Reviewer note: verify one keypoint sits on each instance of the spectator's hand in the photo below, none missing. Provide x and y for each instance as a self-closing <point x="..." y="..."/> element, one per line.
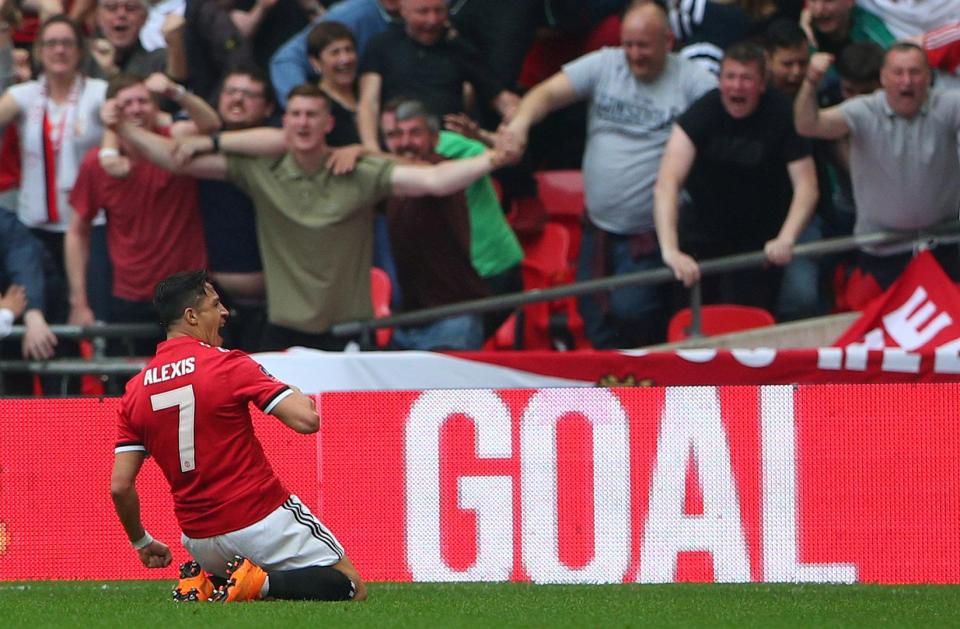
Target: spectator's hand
<point x="779" y="251"/>
<point x="38" y="342"/>
<point x="105" y="55"/>
<point x="160" y="84"/>
<point x="172" y="29"/>
<point x="22" y="71"/>
<point x="684" y="267"/>
<point x="156" y="554"/>
<point x="343" y="160"/>
<point x="14" y="300"/>
<point x="48" y="8"/>
<point x="463" y="124"/>
<point x="81" y="315"/>
<point x="110" y="113"/>
<point x="267" y="4"/>
<point x="186" y="148"/>
<point x="820" y="62"/>
<point x="507" y="148"/>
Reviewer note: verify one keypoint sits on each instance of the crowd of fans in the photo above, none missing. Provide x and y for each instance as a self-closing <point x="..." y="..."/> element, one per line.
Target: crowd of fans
<point x="287" y="145"/>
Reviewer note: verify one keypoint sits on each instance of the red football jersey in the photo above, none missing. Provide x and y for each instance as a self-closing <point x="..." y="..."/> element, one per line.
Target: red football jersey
<point x="189" y="410"/>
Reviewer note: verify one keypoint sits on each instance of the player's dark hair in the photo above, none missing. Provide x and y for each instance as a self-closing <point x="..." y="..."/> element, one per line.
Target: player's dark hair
<point x="746" y="52"/>
<point x="325" y="33"/>
<point x="784" y="33"/>
<point x="178" y="292"/>
<point x="860" y="62"/>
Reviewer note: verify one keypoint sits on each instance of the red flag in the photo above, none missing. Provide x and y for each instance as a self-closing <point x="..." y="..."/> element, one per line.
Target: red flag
<point x="919" y="312"/>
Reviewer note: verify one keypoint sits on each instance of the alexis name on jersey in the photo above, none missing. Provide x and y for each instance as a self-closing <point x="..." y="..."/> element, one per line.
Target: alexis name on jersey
<point x="169" y="371"/>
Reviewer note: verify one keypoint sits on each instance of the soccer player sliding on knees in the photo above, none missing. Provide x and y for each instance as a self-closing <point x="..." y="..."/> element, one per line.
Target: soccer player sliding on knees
<point x="249" y="537"/>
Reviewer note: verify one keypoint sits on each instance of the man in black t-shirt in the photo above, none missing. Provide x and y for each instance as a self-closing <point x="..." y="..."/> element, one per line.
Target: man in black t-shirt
<point x="424" y="60"/>
<point x="751" y="181"/>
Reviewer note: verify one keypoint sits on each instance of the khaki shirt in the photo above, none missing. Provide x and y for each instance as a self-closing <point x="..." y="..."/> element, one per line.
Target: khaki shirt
<point x="316" y="237"/>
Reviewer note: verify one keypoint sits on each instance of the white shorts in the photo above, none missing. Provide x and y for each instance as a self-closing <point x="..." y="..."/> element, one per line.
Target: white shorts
<point x="289" y="538"/>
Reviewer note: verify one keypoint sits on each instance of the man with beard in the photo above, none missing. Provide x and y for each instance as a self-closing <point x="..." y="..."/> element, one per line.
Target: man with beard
<point x="430" y="233"/>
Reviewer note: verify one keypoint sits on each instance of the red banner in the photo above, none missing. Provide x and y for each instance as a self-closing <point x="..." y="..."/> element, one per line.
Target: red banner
<point x="854" y="483"/>
<point x="919" y="313"/>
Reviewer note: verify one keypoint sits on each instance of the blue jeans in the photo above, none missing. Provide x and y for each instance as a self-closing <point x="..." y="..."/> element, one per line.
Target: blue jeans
<point x="800" y="288"/>
<point x="626" y="317"/>
<point x="461" y="333"/>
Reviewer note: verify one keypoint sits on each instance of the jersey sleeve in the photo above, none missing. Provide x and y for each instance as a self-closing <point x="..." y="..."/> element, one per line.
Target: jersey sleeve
<point x="128" y="439"/>
<point x="253" y="383"/>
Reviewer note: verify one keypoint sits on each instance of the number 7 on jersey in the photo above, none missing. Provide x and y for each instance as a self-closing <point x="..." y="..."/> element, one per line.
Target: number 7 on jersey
<point x="184" y="400"/>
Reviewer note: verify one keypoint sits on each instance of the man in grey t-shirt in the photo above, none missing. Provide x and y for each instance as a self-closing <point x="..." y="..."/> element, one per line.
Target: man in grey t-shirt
<point x="635" y="92"/>
<point x="904" y="164"/>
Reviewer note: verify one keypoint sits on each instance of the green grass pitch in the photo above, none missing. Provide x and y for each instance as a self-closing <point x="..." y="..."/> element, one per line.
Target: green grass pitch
<point x="147" y="604"/>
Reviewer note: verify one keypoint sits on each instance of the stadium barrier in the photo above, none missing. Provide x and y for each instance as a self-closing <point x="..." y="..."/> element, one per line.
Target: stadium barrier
<point x="809" y="483"/>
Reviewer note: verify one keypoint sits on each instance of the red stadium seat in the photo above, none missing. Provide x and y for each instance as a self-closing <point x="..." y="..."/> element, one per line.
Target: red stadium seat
<point x="562" y="193"/>
<point x="718" y="319"/>
<point x="380" y="290"/>
<point x="545" y="264"/>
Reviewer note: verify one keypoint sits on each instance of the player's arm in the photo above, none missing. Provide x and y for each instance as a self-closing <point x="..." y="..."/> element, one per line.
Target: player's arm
<point x="678" y="157"/>
<point x="126" y="502"/>
<point x="803" y="176"/>
<point x="809" y="119"/>
<point x="297" y="411"/>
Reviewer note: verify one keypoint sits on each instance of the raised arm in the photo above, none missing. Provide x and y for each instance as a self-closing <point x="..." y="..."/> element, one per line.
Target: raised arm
<point x="203" y="117"/>
<point x="289" y="66"/>
<point x="173" y="28"/>
<point x="548" y="96"/>
<point x="803" y="176"/>
<point x="809" y="119"/>
<point x="678" y="157"/>
<point x="368" y="110"/>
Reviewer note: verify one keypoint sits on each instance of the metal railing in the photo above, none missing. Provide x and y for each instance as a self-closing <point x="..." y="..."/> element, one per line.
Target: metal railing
<point x="98" y="364"/>
<point x="948" y="232"/>
<point x="105" y="366"/>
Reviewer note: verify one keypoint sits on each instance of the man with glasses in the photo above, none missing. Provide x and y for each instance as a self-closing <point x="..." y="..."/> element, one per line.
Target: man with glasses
<point x="229" y="224"/>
